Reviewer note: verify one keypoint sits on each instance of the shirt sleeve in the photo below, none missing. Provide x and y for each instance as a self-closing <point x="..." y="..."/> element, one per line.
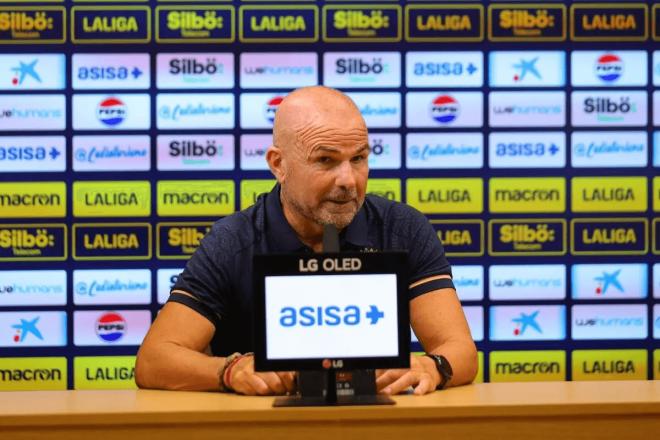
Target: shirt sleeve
<point x="426" y="257"/>
<point x="206" y="276"/>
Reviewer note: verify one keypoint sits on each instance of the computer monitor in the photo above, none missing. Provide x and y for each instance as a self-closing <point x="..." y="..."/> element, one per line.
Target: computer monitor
<point x="331" y="311"/>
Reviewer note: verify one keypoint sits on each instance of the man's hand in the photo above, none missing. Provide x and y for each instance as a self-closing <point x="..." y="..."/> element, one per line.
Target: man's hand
<point x="244" y="380"/>
<point x="422" y="375"/>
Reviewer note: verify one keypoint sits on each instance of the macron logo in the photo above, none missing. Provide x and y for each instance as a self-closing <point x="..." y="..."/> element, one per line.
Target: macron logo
<point x="308" y="316"/>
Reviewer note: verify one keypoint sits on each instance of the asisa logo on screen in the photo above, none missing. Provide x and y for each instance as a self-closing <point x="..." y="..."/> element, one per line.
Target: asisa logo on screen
<point x="444" y="69"/>
<point x="330" y="315"/>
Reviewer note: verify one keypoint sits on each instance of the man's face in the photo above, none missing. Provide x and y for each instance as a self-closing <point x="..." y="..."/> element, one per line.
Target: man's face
<point x="326" y="171"/>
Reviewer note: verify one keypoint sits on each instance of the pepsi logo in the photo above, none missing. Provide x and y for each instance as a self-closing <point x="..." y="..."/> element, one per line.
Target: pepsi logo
<point x="110" y="327"/>
<point x="271" y="107"/>
<point x="445" y="109"/>
<point x="111" y="112"/>
<point x="609" y="67"/>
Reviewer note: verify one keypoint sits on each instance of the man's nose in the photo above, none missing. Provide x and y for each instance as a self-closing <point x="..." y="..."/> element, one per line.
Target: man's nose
<point x="345" y="175"/>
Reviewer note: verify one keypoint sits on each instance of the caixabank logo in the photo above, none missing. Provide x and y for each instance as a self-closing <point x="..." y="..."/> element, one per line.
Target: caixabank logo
<point x="33" y="329"/>
<point x="609" y="281"/>
<point x="32" y="72"/>
<point x="527" y="323"/>
<point x="527" y="69"/>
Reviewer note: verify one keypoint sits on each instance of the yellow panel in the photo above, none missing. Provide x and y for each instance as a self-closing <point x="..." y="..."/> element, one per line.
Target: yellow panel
<point x="33" y="373"/>
<point x="609" y="365"/>
<point x="250" y="190"/>
<point x="388" y="188"/>
<point x="656" y="193"/>
<point x="104" y="372"/>
<point x="446" y="195"/>
<point x="128" y="198"/>
<point x="527" y="366"/>
<point x="31" y="199"/>
<point x="609" y="194"/>
<point x="196" y="197"/>
<point x="527" y="194"/>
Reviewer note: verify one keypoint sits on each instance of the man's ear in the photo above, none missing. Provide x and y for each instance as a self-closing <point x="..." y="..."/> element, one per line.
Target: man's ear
<point x="275" y="162"/>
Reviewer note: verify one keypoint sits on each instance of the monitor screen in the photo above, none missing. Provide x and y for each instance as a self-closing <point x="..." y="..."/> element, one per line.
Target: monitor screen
<point x="318" y="311"/>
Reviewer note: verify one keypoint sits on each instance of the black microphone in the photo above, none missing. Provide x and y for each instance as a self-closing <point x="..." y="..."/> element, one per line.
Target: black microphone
<point x="330" y="238"/>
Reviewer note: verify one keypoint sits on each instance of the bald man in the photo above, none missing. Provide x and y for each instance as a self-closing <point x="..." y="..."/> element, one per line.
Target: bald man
<point x="202" y="338"/>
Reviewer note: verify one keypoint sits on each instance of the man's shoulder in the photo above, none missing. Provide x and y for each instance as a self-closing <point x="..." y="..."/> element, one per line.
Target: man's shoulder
<point x="241" y="229"/>
<point x="396" y="216"/>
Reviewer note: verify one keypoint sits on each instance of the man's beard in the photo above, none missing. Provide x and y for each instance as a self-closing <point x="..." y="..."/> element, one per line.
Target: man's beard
<point x="323" y="216"/>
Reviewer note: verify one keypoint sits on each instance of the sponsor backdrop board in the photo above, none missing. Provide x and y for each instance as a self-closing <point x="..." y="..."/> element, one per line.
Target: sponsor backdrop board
<point x="528" y="133"/>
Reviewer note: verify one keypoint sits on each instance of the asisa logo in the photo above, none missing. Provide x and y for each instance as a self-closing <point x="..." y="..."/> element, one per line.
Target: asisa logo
<point x="330" y="315"/>
<point x="445" y="109"/>
<point x="111" y="111"/>
<point x="609" y="67"/>
<point x="271" y="108"/>
<point x="110" y="327"/>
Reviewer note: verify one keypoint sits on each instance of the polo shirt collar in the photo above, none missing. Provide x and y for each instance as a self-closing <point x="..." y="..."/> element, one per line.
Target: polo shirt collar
<point x="282" y="237"/>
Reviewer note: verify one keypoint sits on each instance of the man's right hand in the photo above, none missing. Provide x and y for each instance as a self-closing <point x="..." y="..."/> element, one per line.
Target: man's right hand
<point x="244" y="380"/>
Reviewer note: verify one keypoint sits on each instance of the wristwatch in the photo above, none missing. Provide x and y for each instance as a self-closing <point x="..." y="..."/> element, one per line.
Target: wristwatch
<point x="442" y="364"/>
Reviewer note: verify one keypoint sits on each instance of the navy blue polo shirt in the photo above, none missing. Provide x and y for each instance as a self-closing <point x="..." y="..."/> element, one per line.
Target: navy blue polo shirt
<point x="219" y="274"/>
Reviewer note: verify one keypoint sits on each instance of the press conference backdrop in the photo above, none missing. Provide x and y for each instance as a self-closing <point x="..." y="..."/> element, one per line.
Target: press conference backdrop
<point x="528" y="133"/>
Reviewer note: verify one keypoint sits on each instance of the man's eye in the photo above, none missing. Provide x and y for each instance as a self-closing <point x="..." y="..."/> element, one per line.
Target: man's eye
<point x="323" y="160"/>
<point x="358" y="158"/>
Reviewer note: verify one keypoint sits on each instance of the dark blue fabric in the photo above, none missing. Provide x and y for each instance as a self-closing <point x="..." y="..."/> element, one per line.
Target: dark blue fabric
<point x="219" y="274"/>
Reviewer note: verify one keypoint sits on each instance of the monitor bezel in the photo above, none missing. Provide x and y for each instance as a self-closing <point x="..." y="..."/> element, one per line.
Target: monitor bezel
<point x="288" y="264"/>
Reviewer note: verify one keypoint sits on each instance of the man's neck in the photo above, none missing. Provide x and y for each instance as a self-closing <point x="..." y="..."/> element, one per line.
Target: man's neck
<point x="309" y="232"/>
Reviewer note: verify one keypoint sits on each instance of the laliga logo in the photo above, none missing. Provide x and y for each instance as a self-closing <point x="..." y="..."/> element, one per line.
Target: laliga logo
<point x="445" y="109"/>
<point x="110" y="327"/>
<point x="271" y="108"/>
<point x="111" y="111"/>
<point x="609" y="67"/>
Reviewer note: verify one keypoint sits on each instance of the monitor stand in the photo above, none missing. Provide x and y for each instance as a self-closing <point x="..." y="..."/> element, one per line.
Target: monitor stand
<point x="319" y="388"/>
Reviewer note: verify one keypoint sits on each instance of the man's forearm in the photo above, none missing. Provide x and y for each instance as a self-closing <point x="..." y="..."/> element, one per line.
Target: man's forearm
<point x="171" y="367"/>
<point x="462" y="356"/>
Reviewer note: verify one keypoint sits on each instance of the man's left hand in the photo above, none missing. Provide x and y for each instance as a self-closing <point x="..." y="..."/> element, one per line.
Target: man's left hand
<point x="422" y="375"/>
